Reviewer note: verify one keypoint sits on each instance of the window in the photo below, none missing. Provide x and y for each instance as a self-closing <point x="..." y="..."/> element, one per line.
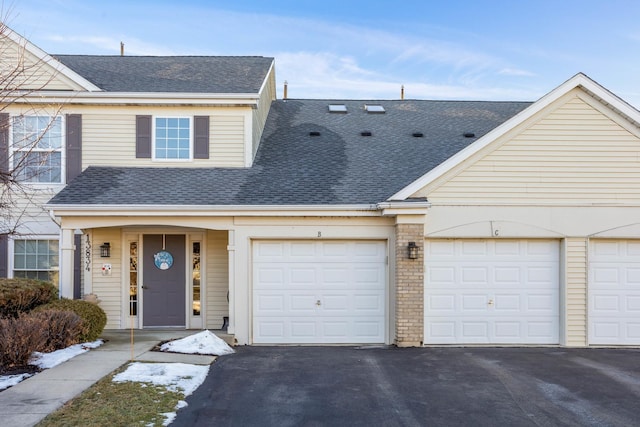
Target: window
<point x="133" y="278"/>
<point x="36" y="259"/>
<point x="195" y="262"/>
<point x="172" y="139"/>
<point x="37" y="148"/>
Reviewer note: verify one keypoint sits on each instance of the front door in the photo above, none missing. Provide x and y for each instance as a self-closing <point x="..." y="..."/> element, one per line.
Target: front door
<point x="163" y="279"/>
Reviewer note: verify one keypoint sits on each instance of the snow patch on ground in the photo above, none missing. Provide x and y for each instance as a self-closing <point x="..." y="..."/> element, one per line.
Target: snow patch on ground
<point x="49" y="360"/>
<point x="7" y="381"/>
<point x="178" y="377"/>
<point x="205" y="342"/>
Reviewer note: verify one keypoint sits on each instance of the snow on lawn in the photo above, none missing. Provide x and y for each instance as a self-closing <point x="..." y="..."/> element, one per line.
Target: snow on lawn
<point x="48" y="360"/>
<point x="178" y="377"/>
<point x="205" y="342"/>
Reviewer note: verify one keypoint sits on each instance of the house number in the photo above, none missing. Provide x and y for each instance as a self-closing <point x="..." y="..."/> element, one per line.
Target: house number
<point x="496" y="233"/>
<point x="319" y="233"/>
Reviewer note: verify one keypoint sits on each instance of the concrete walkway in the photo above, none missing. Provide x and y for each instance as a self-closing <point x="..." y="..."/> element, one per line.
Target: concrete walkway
<point x="27" y="403"/>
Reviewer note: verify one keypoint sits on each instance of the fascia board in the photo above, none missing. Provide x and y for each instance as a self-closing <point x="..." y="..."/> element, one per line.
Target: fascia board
<point x="265" y="81"/>
<point x="579" y="80"/>
<point x="140" y="98"/>
<point x="51" y="61"/>
<point x="213" y="210"/>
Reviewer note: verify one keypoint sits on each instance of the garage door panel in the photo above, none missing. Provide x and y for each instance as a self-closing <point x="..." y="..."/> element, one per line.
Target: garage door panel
<point x="330" y="292"/>
<point x="491" y="291"/>
<point x="614" y="292"/>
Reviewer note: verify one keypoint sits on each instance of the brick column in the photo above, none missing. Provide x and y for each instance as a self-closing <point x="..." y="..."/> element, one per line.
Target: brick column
<point x="409" y="286"/>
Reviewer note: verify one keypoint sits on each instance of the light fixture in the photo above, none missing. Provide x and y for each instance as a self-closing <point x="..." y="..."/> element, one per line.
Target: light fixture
<point x="105" y="250"/>
<point x="413" y="250"/>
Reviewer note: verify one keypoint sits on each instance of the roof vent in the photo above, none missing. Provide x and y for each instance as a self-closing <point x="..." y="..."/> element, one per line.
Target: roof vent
<point x="469" y="135"/>
<point x="366" y="133"/>
<point x="314" y="133"/>
<point x="418" y="134"/>
<point x="337" y="108"/>
<point x="375" y="109"/>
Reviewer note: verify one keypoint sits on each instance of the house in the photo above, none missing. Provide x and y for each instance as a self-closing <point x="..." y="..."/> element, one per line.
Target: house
<point x="201" y="199"/>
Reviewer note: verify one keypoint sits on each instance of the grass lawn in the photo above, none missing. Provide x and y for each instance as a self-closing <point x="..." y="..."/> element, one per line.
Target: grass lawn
<point x="116" y="404"/>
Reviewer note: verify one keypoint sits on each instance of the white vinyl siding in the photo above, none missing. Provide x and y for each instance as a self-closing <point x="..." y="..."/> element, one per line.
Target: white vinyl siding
<point x="574" y="154"/>
<point x="217" y="286"/>
<point x="109" y="136"/>
<point x="576" y="291"/>
<point x="109" y="288"/>
<point x="260" y="114"/>
<point x="491" y="292"/>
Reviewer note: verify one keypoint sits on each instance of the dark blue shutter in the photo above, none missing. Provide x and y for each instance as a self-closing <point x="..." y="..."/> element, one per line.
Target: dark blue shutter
<point x="201" y="137"/>
<point x="74" y="145"/>
<point x="4" y="143"/>
<point x="143" y="137"/>
<point x="4" y="256"/>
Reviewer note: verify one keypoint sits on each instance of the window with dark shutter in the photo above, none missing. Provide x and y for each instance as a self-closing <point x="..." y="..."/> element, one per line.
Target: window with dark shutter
<point x="74" y="145"/>
<point x="143" y="137"/>
<point x="201" y="137"/>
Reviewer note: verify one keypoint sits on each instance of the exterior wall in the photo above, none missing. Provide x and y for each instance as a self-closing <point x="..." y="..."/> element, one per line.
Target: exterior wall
<point x="109" y="135"/>
<point x="259" y="115"/>
<point x="35" y="74"/>
<point x="575" y="152"/>
<point x="108" y="288"/>
<point x="570" y="172"/>
<point x="576" y="291"/>
<point x="409" y="280"/>
<point x="217" y="266"/>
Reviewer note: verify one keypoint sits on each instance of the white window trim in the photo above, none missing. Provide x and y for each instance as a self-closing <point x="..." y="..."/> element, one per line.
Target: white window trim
<point x="63" y="150"/>
<point x="153" y="138"/>
<point x="11" y="251"/>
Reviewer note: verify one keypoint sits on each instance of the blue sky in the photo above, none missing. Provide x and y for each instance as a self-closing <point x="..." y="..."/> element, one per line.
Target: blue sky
<point x="487" y="50"/>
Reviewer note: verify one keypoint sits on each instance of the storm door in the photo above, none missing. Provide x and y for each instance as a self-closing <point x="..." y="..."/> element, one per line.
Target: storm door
<point x="163" y="278"/>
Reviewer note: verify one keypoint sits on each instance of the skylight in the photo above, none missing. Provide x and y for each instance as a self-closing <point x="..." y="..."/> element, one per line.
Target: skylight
<point x="337" y="108"/>
<point x="371" y="108"/>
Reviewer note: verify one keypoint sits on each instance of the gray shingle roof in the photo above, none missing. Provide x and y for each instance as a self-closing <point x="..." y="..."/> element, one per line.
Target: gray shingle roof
<point x="187" y="74"/>
<point x="340" y="166"/>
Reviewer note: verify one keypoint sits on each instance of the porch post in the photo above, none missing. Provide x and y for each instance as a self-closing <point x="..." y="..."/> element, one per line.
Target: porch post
<point x="231" y="250"/>
<point x="67" y="248"/>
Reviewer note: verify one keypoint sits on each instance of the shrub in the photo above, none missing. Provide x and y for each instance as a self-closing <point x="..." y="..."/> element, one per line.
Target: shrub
<point x="19" y="337"/>
<point x="22" y="295"/>
<point x="93" y="317"/>
<point x="61" y="328"/>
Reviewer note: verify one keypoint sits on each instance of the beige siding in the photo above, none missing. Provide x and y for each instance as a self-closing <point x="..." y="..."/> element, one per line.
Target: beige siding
<point x="109" y="136"/>
<point x="30" y="71"/>
<point x="260" y="114"/>
<point x="574" y="154"/>
<point x="576" y="291"/>
<point x="108" y="288"/>
<point x="217" y="266"/>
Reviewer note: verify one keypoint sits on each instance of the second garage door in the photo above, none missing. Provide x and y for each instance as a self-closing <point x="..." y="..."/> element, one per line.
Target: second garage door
<point x="614" y="292"/>
<point x="491" y="292"/>
<point x="319" y="292"/>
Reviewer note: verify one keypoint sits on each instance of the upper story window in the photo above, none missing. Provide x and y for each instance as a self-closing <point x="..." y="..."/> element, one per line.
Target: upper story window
<point x="37" y="148"/>
<point x="172" y="138"/>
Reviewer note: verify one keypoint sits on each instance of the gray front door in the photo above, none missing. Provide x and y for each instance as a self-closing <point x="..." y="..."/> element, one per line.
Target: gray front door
<point x="163" y="279"/>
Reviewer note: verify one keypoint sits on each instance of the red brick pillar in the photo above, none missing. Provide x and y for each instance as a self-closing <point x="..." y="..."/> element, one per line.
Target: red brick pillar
<point x="409" y="286"/>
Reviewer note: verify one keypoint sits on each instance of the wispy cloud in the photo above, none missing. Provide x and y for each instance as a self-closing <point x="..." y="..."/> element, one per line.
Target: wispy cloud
<point x="516" y="72"/>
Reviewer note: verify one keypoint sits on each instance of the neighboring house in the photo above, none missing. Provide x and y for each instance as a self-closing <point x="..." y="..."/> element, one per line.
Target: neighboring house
<point x="315" y="221"/>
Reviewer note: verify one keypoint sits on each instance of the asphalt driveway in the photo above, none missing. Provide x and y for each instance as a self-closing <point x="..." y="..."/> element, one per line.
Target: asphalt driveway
<point x="336" y="386"/>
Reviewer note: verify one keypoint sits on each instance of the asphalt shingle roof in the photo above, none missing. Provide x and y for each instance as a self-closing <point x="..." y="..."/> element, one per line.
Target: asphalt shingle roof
<point x="186" y="74"/>
<point x="340" y="166"/>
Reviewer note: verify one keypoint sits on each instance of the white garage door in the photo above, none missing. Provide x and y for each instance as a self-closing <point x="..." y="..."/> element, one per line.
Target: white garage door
<point x="319" y="292"/>
<point x="491" y="292"/>
<point x="614" y="292"/>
